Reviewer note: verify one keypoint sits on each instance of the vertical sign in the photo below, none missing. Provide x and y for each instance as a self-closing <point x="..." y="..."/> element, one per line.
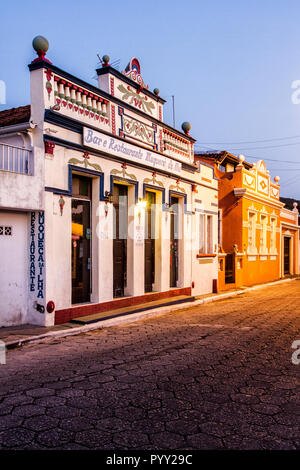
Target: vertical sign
<point x="37" y="253"/>
<point x="41" y="255"/>
<point x="32" y="252"/>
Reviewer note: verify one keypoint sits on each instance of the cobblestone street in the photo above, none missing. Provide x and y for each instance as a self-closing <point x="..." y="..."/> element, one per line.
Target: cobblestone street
<point x="216" y="376"/>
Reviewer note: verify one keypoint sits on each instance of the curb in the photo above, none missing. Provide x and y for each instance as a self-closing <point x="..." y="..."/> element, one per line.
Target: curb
<point x="132" y="317"/>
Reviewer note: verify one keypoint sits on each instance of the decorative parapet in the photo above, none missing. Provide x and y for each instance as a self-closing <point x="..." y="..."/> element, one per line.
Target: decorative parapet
<point x="80" y="103"/>
<point x="175" y="145"/>
<point x="258" y="180"/>
<point x="65" y="95"/>
<point x="290" y="216"/>
<point x="133" y="71"/>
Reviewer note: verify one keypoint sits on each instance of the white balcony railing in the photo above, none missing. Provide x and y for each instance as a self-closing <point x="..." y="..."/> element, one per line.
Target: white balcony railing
<point x="15" y="159"/>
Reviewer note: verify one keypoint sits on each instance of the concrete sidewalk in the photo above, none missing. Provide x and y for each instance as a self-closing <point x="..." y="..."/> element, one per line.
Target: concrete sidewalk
<point x="16" y="336"/>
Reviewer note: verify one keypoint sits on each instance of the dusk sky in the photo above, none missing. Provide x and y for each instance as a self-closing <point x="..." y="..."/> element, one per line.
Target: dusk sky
<point x="229" y="64"/>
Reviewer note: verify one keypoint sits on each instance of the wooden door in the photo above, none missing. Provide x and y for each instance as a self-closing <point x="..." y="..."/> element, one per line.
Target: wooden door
<point x="120" y="195"/>
<point x="286" y="259"/>
<point x="174" y="227"/>
<point x="230" y="268"/>
<point x="149" y="241"/>
<point x="81" y="251"/>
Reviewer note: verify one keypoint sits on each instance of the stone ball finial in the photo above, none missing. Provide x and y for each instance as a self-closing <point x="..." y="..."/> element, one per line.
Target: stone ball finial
<point x="241" y="158"/>
<point x="295" y="205"/>
<point x="186" y="127"/>
<point x="156" y="91"/>
<point x="106" y="59"/>
<point x="276" y="179"/>
<point x="40" y="44"/>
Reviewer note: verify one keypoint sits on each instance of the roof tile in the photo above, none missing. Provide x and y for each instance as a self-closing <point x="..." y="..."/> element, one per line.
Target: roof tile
<point x="12" y="116"/>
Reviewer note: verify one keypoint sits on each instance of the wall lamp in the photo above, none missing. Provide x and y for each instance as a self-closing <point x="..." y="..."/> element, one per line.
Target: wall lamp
<point x="141" y="204"/>
<point x="108" y="196"/>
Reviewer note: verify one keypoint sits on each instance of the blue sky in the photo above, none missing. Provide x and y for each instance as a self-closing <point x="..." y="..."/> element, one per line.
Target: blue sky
<point x="229" y="63"/>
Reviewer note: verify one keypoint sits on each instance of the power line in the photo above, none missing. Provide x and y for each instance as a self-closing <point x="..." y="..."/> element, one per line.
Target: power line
<point x="252" y="141"/>
<point x="290" y="181"/>
<point x="284" y="169"/>
<point x="263" y="147"/>
<point x="255" y="158"/>
<point x="271" y="159"/>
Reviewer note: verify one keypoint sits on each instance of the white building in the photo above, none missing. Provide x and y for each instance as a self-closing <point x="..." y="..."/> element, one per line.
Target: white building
<point x="101" y="203"/>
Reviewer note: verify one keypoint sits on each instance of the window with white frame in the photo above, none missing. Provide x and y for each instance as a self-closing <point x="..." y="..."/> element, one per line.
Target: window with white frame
<point x="209" y="241"/>
<point x="273" y="235"/>
<point x="220" y="227"/>
<point x="201" y="233"/>
<point x="205" y="234"/>
<point x="252" y="230"/>
<point x="263" y="233"/>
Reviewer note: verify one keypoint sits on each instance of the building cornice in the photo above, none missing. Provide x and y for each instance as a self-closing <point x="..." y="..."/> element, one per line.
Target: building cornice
<point x="289" y="225"/>
<point x="262" y="200"/>
<point x="82" y="148"/>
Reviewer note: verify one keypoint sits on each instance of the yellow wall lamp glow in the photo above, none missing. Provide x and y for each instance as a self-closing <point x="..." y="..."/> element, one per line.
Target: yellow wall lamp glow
<point x="141" y="204"/>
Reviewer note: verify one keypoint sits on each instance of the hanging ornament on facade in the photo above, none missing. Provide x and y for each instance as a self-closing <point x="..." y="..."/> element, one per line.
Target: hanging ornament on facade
<point x="61" y="203"/>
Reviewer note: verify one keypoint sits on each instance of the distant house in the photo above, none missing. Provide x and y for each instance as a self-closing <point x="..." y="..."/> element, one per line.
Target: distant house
<point x="258" y="236"/>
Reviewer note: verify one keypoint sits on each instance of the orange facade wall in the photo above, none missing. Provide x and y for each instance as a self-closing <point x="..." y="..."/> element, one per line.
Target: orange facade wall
<point x="232" y="213"/>
<point x="253" y="265"/>
<point x="264" y="266"/>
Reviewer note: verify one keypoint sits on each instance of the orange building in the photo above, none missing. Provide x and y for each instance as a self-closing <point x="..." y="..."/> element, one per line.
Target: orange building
<point x="256" y="232"/>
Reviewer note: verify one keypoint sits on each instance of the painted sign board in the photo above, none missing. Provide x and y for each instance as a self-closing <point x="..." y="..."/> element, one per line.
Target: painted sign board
<point x="113" y="146"/>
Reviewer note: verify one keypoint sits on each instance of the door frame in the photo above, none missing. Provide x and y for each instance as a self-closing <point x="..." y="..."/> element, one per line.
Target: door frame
<point x="90" y="250"/>
<point x="153" y="255"/>
<point x="162" y="208"/>
<point x="125" y="249"/>
<point x="291" y="239"/>
<point x="182" y="197"/>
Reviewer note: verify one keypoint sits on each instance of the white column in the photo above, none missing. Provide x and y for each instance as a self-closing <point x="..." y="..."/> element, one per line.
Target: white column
<point x="157" y="287"/>
<point x="165" y="251"/>
<point x="58" y="252"/>
<point x="103" y="259"/>
<point x="135" y="247"/>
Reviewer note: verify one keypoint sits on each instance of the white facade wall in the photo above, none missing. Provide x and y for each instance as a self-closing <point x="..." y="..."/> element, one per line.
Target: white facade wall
<point x="40" y="195"/>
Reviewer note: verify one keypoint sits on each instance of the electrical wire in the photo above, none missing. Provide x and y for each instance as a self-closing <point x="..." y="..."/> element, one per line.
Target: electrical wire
<point x="253" y="141"/>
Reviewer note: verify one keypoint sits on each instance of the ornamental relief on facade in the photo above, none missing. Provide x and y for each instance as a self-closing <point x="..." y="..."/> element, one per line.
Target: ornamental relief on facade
<point x="123" y="173"/>
<point x="85" y="162"/>
<point x="274" y="192"/>
<point x="135" y="99"/>
<point x="154" y="180"/>
<point x="249" y="181"/>
<point x="263" y="184"/>
<point x="139" y="130"/>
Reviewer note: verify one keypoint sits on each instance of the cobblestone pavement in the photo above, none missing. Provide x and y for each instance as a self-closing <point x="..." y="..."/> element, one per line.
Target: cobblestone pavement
<point x="210" y="377"/>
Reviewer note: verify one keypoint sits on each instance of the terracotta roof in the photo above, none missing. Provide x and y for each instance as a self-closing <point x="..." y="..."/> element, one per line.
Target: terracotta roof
<point x="12" y="116"/>
<point x="221" y="156"/>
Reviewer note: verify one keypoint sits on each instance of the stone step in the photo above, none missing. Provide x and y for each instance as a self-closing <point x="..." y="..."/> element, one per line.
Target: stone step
<point x="85" y="320"/>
